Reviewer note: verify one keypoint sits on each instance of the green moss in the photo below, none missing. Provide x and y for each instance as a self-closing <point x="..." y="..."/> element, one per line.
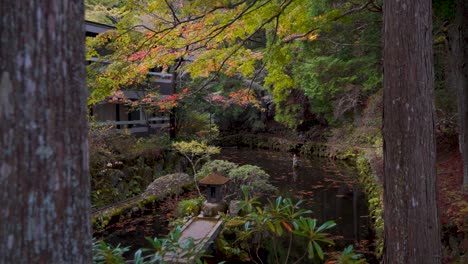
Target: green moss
<point x="102" y="219"/>
<point x="121" y="166"/>
<point x="374" y="193"/>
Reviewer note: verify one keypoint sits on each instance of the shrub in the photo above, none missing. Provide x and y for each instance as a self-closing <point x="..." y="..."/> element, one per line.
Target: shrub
<point x="254" y="178"/>
<point x="270" y="226"/>
<point x="189" y="207"/>
<point x="222" y="166"/>
<point x="160" y="247"/>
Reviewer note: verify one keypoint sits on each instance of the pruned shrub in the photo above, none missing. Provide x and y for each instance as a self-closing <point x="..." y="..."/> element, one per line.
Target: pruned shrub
<point x="254" y="178"/>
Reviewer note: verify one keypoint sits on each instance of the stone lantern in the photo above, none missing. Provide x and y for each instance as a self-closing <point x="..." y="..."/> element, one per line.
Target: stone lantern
<point x="214" y="193"/>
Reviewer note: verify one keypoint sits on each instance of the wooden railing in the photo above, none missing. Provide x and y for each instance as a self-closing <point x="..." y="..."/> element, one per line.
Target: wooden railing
<point x="138" y="125"/>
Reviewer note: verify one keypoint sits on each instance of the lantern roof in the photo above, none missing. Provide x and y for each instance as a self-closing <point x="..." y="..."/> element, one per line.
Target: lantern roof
<point x="214" y="178"/>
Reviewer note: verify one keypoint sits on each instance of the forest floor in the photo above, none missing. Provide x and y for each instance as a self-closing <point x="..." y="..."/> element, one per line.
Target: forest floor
<point x="453" y="203"/>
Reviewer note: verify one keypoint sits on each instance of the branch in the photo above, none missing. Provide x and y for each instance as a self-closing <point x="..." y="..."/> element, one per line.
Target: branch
<point x="374" y="7"/>
<point x="174" y="16"/>
<point x="217" y="31"/>
<point x="241" y="44"/>
<point x="299" y="36"/>
<point x="349" y="44"/>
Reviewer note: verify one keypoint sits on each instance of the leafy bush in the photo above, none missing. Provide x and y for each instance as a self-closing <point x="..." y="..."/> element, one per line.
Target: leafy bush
<point x="349" y="257"/>
<point x="189" y="207"/>
<point x="107" y="254"/>
<point x="273" y="225"/>
<point x="252" y="177"/>
<point x="221" y="166"/>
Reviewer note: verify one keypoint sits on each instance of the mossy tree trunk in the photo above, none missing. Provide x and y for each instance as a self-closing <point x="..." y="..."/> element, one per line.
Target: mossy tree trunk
<point x="412" y="232"/>
<point x="44" y="181"/>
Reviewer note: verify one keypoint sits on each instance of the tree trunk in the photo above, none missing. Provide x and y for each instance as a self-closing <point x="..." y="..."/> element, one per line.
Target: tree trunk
<point x="458" y="57"/>
<point x="412" y="232"/>
<point x="44" y="181"/>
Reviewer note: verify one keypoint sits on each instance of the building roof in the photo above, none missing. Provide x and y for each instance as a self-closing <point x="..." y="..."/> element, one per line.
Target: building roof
<point x="214" y="179"/>
<point x="93" y="28"/>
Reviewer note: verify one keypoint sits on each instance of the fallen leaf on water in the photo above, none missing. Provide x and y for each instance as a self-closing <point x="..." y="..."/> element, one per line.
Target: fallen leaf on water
<point x="317" y="186"/>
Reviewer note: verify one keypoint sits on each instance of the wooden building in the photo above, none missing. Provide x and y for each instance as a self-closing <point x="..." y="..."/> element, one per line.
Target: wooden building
<point x="118" y="113"/>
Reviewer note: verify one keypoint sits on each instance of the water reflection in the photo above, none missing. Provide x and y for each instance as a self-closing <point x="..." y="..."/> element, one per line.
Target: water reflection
<point x="294" y="174"/>
<point x="327" y="188"/>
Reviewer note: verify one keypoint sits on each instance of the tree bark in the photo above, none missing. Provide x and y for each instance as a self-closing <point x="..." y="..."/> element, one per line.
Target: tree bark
<point x="458" y="57"/>
<point x="44" y="181"/>
<point x="412" y="232"/>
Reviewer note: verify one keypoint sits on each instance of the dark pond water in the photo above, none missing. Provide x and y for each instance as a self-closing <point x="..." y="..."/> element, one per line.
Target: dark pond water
<point x="328" y="188"/>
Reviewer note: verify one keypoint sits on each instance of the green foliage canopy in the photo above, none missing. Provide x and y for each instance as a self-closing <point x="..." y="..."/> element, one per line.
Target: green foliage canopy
<point x="283" y="44"/>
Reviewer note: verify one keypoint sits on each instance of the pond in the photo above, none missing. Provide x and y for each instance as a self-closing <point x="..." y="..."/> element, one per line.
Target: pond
<point x="327" y="188"/>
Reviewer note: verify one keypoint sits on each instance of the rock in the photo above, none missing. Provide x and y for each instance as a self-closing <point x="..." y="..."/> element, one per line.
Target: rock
<point x="212" y="209"/>
<point x="234" y="207"/>
<point x="167" y="185"/>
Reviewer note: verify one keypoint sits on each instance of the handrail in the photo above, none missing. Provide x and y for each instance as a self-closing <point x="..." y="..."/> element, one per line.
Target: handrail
<point x="132" y="122"/>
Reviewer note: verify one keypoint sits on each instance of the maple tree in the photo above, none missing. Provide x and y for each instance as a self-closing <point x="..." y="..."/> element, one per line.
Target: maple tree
<point x="195" y="152"/>
<point x="104" y="11"/>
<point x="262" y="41"/>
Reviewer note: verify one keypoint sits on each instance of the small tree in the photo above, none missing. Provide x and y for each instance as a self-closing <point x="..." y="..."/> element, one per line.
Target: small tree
<point x="195" y="152"/>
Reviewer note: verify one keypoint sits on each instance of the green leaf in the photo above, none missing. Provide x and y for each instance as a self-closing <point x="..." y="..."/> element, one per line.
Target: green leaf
<point x="348" y="249"/>
<point x="312" y="223"/>
<point x="310" y="249"/>
<point x="279" y="228"/>
<point x="319" y="250"/>
<point x="247" y="225"/>
<point x="326" y="225"/>
<point x="271" y="226"/>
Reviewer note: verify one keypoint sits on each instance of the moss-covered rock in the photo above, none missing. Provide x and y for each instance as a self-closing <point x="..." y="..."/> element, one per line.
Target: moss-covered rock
<point x="158" y="190"/>
<point x="368" y="179"/>
<point x="168" y="184"/>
